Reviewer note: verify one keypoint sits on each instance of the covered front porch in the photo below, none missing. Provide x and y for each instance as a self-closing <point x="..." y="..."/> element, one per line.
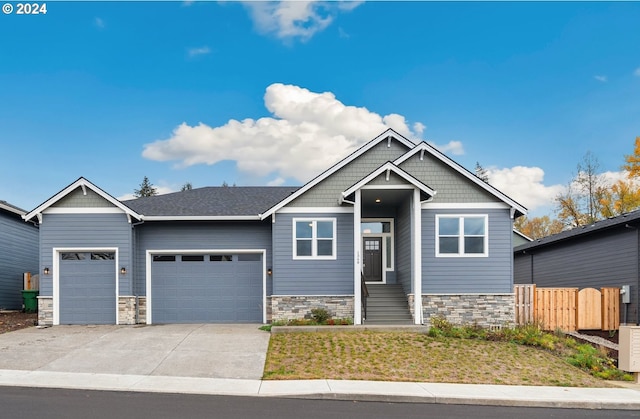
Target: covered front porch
<point x="387" y="222"/>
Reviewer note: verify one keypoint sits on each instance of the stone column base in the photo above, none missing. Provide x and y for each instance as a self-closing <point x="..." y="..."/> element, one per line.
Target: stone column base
<point x="45" y="311"/>
<point x="132" y="309"/>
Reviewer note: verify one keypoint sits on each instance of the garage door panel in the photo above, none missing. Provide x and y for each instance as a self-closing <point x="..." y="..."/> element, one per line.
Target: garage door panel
<point x="87" y="288"/>
<point x="213" y="289"/>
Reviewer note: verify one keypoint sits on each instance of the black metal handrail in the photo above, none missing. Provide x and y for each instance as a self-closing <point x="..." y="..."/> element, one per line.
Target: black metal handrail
<point x="364" y="293"/>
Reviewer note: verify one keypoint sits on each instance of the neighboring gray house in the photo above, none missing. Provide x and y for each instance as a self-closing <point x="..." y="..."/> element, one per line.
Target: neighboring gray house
<point x="18" y="254"/>
<point x="603" y="254"/>
<point x="400" y="214"/>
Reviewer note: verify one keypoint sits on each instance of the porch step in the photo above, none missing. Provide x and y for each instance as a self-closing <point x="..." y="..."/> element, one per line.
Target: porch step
<point x="387" y="304"/>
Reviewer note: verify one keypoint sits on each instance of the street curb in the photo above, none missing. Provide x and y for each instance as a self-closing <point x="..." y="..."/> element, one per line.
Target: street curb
<point x="497" y="402"/>
<point x="365" y="391"/>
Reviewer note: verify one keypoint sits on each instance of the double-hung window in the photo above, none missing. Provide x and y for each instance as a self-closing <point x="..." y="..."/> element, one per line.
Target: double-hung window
<point x="461" y="235"/>
<point x="314" y="238"/>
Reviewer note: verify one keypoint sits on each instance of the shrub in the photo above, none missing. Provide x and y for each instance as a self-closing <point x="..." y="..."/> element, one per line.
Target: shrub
<point x="320" y="315"/>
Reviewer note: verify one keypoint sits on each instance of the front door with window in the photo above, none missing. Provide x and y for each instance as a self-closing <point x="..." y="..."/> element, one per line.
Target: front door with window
<point x="372" y="251"/>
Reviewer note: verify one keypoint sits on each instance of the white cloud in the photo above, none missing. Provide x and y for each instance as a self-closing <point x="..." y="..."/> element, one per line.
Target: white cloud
<point x="295" y="19"/>
<point x="308" y="133"/>
<point x="194" y="52"/>
<point x="525" y="185"/>
<point x="276" y="182"/>
<point x="637" y="72"/>
<point x="452" y="147"/>
<point x="603" y="79"/>
<point x="99" y="23"/>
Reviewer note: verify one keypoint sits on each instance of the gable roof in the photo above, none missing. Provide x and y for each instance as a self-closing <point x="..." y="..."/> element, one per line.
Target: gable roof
<point x="577" y="232"/>
<point x="211" y="203"/>
<point x="388" y="135"/>
<point x="84" y="184"/>
<point x="389" y="167"/>
<point x="423" y="147"/>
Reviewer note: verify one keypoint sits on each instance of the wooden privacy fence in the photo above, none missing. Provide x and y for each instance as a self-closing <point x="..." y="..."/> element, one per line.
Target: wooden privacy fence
<point x="568" y="309"/>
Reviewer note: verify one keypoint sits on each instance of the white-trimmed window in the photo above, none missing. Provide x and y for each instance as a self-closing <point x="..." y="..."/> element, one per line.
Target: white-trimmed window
<point x="462" y="236"/>
<point x="314" y="238"/>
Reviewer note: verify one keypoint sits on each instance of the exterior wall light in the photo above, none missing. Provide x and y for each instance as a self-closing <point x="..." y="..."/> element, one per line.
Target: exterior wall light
<point x="46" y="271"/>
<point x="269" y="271"/>
<point x="123" y="271"/>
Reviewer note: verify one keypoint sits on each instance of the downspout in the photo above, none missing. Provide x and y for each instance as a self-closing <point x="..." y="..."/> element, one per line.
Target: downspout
<point x="132" y="259"/>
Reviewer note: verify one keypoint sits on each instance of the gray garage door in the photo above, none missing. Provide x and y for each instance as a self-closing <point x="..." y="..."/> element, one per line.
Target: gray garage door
<point x="87" y="288"/>
<point x="206" y="288"/>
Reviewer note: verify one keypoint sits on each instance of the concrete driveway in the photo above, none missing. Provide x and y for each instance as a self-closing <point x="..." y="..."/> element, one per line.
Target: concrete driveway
<point x="184" y="350"/>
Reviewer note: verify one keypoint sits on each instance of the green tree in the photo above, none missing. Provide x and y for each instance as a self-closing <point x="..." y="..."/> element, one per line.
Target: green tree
<point x="146" y="189"/>
<point x="481" y="173"/>
<point x="186" y="187"/>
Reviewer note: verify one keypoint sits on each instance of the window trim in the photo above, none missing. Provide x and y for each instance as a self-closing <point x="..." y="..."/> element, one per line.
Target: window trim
<point x="461" y="236"/>
<point x="314" y="238"/>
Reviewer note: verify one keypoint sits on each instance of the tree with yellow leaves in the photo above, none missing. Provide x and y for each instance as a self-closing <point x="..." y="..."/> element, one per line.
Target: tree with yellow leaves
<point x="538" y="227"/>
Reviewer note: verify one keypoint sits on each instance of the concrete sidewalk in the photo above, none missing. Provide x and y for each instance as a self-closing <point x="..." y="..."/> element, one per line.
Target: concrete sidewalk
<point x="495" y="395"/>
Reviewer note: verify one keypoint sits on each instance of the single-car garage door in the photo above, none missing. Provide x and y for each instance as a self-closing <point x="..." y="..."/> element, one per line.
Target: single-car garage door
<point x="87" y="284"/>
<point x="206" y="288"/>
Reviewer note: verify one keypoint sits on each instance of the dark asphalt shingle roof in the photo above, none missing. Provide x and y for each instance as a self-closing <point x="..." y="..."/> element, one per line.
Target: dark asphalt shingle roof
<point x="212" y="201"/>
<point x="630" y="217"/>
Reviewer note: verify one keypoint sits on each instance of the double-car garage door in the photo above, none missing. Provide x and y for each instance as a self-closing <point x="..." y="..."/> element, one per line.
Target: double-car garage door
<point x="185" y="288"/>
<point x="206" y="288"/>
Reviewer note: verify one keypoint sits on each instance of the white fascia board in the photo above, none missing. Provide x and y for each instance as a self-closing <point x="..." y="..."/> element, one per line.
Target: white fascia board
<point x="92" y="210"/>
<point x="84" y="183"/>
<point x="201" y="218"/>
<point x="464" y="172"/>
<point x="316" y="210"/>
<point x="12" y="210"/>
<point x="342" y="163"/>
<point x="395" y="169"/>
<point x="466" y="205"/>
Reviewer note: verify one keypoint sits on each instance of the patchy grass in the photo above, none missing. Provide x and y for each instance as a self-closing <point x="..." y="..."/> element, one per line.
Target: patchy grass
<point x="434" y="357"/>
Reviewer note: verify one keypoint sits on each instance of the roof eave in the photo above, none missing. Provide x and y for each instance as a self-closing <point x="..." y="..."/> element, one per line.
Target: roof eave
<point x="201" y="217"/>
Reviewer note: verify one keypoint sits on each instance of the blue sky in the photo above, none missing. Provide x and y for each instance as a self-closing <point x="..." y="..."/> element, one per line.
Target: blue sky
<point x="272" y="93"/>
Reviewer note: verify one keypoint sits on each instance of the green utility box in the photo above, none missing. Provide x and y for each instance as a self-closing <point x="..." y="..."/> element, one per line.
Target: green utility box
<point x="30" y="298"/>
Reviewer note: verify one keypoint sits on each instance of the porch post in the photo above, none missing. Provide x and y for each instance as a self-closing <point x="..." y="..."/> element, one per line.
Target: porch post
<point x="357" y="263"/>
<point x="417" y="257"/>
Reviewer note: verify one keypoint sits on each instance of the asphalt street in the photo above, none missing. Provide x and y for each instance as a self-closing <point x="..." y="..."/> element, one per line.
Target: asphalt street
<point x="19" y="402"/>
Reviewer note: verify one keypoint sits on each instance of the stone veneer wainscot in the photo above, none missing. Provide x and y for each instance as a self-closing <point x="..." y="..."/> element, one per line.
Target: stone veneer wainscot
<point x="484" y="310"/>
<point x="298" y="307"/>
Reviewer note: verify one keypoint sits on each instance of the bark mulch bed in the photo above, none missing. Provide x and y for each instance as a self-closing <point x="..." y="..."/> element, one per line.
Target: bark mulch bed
<point x="15" y="320"/>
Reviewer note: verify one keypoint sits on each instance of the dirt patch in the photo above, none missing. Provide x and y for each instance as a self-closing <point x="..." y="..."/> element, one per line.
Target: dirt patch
<point x="15" y="320"/>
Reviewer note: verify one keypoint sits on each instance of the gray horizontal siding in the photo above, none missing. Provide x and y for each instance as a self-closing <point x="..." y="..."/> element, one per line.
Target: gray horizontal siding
<point x="199" y="235"/>
<point x="312" y="277"/>
<point x="492" y="274"/>
<point x="18" y="254"/>
<point x="85" y="231"/>
<point x="608" y="259"/>
<point x="403" y="247"/>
